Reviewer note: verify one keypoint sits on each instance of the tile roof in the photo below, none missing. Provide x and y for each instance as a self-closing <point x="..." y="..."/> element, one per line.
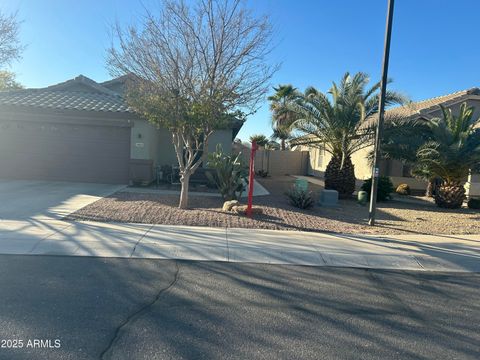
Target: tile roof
<point x="425" y="106"/>
<point x="65" y="100"/>
<point x="61" y="97"/>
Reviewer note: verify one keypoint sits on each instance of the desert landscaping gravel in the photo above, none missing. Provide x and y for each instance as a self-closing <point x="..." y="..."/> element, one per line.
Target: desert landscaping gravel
<point x="393" y="217"/>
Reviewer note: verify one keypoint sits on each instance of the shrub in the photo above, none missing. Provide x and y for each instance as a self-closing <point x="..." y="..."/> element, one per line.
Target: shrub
<point x="228" y="172"/>
<point x="261" y="173"/>
<point x="301" y="199"/>
<point x="403" y="189"/>
<point x="385" y="188"/>
<point x="473" y="203"/>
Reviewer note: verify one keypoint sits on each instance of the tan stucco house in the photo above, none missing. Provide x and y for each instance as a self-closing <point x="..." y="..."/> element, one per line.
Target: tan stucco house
<point x="398" y="172"/>
<point x="81" y="130"/>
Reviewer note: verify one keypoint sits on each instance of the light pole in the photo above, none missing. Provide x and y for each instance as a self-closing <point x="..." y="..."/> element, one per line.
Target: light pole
<point x="381" y="111"/>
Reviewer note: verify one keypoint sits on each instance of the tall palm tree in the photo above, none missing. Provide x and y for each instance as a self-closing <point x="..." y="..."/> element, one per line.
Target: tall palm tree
<point x="451" y="153"/>
<point x="282" y="115"/>
<point x="343" y="122"/>
<point x="282" y="134"/>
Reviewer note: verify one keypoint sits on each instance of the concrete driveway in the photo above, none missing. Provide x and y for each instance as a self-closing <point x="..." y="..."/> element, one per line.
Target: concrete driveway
<point x="47" y="200"/>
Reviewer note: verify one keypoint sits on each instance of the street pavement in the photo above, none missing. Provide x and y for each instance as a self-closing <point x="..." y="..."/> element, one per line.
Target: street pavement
<point x="112" y="308"/>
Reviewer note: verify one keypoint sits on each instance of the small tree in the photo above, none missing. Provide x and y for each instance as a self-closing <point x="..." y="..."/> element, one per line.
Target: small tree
<point x="196" y="66"/>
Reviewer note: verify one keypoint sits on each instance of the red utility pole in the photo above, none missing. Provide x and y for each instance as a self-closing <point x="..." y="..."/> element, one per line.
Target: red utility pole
<point x="251" y="177"/>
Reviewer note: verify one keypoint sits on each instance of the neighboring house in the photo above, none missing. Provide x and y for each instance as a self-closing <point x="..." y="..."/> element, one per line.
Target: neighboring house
<point x="81" y="130"/>
<point x="399" y="172"/>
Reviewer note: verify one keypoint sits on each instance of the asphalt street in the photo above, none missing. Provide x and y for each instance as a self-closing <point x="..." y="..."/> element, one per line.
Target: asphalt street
<point x="94" y="308"/>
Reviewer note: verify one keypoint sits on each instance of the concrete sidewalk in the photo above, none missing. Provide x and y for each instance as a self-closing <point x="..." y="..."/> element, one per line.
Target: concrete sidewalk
<point x="403" y="252"/>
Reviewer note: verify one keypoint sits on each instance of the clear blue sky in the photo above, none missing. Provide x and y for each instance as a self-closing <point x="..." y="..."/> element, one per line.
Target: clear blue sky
<point x="434" y="44"/>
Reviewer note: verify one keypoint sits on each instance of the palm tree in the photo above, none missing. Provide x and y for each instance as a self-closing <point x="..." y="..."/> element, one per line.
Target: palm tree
<point x="282" y="134"/>
<point x="401" y="139"/>
<point x="260" y="139"/>
<point x="451" y="153"/>
<point x="341" y="121"/>
<point x="282" y="115"/>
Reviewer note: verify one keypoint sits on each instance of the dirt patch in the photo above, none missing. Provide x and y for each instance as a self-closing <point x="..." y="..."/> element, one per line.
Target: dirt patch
<point x="349" y="217"/>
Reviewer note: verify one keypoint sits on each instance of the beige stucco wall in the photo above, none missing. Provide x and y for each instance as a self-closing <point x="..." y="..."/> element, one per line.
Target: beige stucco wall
<point x="277" y="162"/>
<point x="363" y="169"/>
<point x="319" y="159"/>
<point x="456" y="107"/>
<point x="151" y="143"/>
<point x="473" y="186"/>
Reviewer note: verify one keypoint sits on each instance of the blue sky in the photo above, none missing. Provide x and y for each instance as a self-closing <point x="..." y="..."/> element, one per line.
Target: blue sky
<point x="434" y="43"/>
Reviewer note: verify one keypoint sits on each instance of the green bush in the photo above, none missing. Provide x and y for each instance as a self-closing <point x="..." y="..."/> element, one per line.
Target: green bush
<point x="385" y="188"/>
<point x="229" y="173"/>
<point x="302" y="199"/>
<point x="403" y="189"/>
<point x="473" y="203"/>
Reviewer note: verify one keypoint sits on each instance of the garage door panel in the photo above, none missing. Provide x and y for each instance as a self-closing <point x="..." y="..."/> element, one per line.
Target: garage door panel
<point x="64" y="152"/>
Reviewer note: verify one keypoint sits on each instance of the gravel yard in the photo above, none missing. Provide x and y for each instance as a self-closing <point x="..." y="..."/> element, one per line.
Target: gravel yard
<point x="394" y="217"/>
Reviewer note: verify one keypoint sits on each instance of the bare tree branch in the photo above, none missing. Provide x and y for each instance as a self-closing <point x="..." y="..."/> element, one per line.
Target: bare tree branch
<point x="195" y="66"/>
<point x="10" y="47"/>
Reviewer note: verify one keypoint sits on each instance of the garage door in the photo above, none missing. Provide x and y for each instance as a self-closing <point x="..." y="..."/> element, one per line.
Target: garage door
<point x="64" y="152"/>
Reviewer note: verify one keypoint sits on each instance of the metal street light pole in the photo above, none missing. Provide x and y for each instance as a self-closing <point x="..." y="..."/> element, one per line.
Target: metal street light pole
<point x="381" y="111"/>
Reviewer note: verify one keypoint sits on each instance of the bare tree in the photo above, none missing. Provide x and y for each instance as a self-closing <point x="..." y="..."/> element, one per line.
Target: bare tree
<point x="195" y="67"/>
<point x="10" y="47"/>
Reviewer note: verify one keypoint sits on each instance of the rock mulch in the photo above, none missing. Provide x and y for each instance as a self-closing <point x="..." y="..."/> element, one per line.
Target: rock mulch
<point x="393" y="217"/>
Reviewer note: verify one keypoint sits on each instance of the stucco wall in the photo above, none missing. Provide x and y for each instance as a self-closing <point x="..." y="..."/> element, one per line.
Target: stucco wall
<point x="319" y="159"/>
<point x="278" y="162"/>
<point x="473" y="186"/>
<point x="223" y="137"/>
<point x="456" y="108"/>
<point x="151" y="143"/>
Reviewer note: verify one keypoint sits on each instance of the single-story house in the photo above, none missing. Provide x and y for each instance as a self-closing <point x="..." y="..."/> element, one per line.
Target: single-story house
<point x="84" y="131"/>
<point x="396" y="170"/>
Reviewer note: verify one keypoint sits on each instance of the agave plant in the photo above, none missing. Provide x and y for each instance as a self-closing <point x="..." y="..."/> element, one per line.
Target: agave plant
<point x="451" y="153"/>
<point x="341" y="122"/>
<point x="229" y="173"/>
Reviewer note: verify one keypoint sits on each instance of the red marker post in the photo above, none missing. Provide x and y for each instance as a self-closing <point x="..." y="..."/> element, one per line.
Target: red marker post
<point x="251" y="177"/>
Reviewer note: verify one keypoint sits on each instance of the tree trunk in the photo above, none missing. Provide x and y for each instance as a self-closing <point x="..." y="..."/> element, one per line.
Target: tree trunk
<point x="340" y="179"/>
<point x="184" y="180"/>
<point x="282" y="142"/>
